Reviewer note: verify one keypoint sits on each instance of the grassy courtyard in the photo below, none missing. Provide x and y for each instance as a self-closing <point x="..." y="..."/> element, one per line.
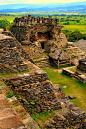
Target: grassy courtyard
<point x="73" y="87"/>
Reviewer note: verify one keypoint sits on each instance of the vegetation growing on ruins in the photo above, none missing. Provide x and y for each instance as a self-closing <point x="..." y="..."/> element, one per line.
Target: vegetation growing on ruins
<point x="11" y="94"/>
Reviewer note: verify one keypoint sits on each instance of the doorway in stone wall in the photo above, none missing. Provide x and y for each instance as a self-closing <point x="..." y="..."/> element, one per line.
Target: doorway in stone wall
<point x="42" y="45"/>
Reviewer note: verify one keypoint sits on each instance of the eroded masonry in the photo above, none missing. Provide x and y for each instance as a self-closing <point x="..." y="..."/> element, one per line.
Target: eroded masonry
<point x="38" y="34"/>
<point x="34" y="93"/>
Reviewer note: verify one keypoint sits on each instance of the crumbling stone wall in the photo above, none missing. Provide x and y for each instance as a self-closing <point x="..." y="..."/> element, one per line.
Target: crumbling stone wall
<point x="34" y="50"/>
<point x="39" y="32"/>
<point x="28" y="20"/>
<point x="11" y="56"/>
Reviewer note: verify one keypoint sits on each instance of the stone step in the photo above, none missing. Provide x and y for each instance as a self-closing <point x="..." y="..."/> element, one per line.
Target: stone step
<point x="11" y="121"/>
<point x="8" y="117"/>
<point x="4" y="102"/>
<point x="28" y="122"/>
<point x="6" y="112"/>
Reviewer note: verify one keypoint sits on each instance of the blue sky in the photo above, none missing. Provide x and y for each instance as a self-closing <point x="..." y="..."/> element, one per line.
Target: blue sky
<point x="2" y="2"/>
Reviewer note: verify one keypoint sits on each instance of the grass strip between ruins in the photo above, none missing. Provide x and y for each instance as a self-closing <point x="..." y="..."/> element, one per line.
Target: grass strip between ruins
<point x="74" y="87"/>
<point x="41" y="118"/>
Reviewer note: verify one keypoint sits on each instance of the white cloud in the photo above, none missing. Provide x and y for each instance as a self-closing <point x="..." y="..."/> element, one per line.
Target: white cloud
<point x="36" y="1"/>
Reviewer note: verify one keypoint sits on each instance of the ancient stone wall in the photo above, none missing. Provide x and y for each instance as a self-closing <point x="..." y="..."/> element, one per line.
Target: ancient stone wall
<point x="12" y="56"/>
<point x="32" y="49"/>
<point x="39" y="33"/>
<point x="27" y="20"/>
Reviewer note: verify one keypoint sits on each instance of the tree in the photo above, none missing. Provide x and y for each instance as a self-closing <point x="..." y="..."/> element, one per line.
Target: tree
<point x="74" y="36"/>
<point x="4" y="23"/>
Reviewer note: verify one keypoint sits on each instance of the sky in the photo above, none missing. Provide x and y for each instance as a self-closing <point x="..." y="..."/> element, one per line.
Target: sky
<point x="3" y="2"/>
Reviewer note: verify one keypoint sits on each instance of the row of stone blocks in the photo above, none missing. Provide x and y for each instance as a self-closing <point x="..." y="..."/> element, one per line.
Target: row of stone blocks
<point x="79" y="77"/>
<point x="27" y="20"/>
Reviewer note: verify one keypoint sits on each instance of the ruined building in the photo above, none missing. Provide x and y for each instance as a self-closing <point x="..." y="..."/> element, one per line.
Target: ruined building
<point x="38" y="33"/>
<point x="59" y="58"/>
<point x="34" y="93"/>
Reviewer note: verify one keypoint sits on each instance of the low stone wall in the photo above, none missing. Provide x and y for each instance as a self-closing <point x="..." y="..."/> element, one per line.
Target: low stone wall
<point x="79" y="77"/>
<point x="68" y="72"/>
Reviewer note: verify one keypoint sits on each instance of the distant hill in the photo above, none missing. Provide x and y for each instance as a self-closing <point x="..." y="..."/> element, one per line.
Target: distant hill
<point x="76" y="7"/>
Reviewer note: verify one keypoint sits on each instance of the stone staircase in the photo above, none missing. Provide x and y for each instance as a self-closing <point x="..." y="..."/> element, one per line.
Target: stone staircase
<point x="8" y="117"/>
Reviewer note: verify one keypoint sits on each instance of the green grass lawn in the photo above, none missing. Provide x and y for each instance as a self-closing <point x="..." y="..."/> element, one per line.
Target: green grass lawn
<point x="73" y="87"/>
<point x="81" y="28"/>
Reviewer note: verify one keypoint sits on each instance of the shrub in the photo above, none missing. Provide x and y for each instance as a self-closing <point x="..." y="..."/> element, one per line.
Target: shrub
<point x="11" y="94"/>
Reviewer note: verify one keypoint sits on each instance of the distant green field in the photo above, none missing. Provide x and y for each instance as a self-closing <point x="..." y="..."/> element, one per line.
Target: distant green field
<point x="81" y="28"/>
<point x="73" y="87"/>
<point x="71" y="22"/>
<point x="8" y="18"/>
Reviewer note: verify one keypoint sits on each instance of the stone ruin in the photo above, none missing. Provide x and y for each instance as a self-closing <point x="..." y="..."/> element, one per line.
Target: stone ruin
<point x="59" y="58"/>
<point x="37" y="93"/>
<point x="82" y="65"/>
<point x="37" y="33"/>
<point x="12" y="55"/>
<point x="76" y="51"/>
<point x="28" y="20"/>
<point x="81" y="44"/>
